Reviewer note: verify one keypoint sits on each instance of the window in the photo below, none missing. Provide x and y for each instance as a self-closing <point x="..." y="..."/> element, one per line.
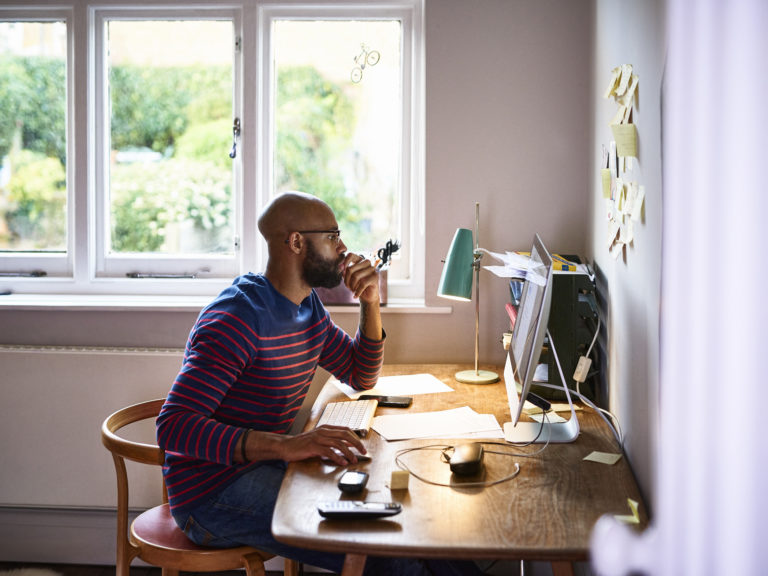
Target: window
<point x="183" y="122"/>
<point x="34" y="186"/>
<point x="166" y="87"/>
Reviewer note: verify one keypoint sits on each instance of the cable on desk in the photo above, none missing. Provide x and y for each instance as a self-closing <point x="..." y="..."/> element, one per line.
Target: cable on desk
<point x="445" y="447"/>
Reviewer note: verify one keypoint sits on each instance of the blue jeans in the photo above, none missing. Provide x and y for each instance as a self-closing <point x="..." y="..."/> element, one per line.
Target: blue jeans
<point x="241" y="514"/>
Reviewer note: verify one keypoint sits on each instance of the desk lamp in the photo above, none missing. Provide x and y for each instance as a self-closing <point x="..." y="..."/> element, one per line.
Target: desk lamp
<point x="456" y="284"/>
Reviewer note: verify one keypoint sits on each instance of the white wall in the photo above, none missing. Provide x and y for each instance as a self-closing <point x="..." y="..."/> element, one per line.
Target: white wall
<point x="630" y="32"/>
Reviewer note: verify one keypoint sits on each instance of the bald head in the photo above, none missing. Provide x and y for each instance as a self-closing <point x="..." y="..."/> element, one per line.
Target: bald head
<point x="293" y="211"/>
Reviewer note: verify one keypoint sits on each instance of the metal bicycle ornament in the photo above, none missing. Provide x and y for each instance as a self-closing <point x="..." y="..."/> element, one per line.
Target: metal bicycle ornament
<point x="367" y="57"/>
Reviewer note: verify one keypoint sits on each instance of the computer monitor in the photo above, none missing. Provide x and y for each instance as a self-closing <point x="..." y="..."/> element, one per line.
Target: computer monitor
<point x="525" y="350"/>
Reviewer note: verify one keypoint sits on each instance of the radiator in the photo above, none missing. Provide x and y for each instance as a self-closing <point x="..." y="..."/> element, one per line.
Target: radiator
<point x="53" y="401"/>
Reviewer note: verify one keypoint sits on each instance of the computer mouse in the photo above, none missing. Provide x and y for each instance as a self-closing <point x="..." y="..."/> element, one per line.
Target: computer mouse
<point x="467" y="458"/>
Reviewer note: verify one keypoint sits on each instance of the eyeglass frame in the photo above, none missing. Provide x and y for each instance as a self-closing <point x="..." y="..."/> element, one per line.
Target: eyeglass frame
<point x="336" y="233"/>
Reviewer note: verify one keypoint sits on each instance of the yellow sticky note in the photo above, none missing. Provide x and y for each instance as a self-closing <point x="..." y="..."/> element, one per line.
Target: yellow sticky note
<point x="626" y="139"/>
<point x="605" y="178"/>
<point x="399" y="480"/>
<point x="551" y="417"/>
<point x="615" y="73"/>
<point x="628" y="96"/>
<point x="630" y="519"/>
<point x="603" y="458"/>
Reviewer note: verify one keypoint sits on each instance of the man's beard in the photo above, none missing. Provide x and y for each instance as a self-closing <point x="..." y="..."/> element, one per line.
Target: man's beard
<point x="321" y="273"/>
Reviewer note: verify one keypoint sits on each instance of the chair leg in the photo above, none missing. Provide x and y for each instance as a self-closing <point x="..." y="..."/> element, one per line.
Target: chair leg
<point x="169" y="572"/>
<point x="290" y="567"/>
<point x="254" y="565"/>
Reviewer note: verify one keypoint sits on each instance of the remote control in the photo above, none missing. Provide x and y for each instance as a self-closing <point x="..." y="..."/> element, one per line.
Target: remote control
<point x="357" y="509"/>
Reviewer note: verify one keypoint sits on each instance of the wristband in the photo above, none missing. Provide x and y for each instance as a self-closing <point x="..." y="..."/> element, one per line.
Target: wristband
<point x="242" y="446"/>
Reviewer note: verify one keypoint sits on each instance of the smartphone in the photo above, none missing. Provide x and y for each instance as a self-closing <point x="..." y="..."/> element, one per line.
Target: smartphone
<point x="353" y="481"/>
<point x="389" y="401"/>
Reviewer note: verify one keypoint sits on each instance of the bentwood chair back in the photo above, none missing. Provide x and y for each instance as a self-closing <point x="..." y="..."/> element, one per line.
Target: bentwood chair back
<point x="153" y="536"/>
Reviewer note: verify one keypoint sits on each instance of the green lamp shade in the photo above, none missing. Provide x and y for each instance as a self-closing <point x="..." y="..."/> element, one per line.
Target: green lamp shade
<point x="456" y="279"/>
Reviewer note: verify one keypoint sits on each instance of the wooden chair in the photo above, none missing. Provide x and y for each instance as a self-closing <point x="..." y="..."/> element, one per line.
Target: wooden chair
<point x="154" y="536"/>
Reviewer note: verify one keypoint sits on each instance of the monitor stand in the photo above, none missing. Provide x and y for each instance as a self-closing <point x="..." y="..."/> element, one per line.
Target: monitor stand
<point x="536" y="432"/>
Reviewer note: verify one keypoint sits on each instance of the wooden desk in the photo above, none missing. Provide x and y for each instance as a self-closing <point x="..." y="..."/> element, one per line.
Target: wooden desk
<point x="546" y="513"/>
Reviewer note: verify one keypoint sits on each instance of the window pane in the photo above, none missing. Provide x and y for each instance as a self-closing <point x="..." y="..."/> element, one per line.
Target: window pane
<point x="170" y="174"/>
<point x="33" y="143"/>
<point x="338" y="121"/>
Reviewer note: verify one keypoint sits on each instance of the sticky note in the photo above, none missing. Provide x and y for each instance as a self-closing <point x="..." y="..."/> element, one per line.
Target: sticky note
<point x="603" y="457"/>
<point x="615" y="73"/>
<point x="626" y="139"/>
<point x="620" y="196"/>
<point x="551" y="417"/>
<point x="626" y="77"/>
<point x="613" y="230"/>
<point x="605" y="178"/>
<point x="616" y="250"/>
<point x="629" y="95"/>
<point x="399" y="480"/>
<point x="618" y="118"/>
<point x="626" y="232"/>
<point x="637" y="204"/>
<point x="634" y="518"/>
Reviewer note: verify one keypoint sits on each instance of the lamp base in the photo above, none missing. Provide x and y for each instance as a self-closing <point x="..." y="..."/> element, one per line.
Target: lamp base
<point x="477" y="377"/>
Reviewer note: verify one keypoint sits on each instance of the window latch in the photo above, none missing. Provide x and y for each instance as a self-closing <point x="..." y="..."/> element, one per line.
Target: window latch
<point x="32" y="274"/>
<point x="183" y="276"/>
<point x="235" y="136"/>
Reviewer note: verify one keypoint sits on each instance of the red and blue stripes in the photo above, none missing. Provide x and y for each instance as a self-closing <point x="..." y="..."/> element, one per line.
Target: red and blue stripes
<point x="249" y="361"/>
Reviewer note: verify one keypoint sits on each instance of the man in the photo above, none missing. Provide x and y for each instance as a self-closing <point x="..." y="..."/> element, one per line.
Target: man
<point x="248" y="364"/>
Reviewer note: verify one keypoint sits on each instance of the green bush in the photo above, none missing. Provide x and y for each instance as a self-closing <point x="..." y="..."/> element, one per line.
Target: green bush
<point x="33" y="89"/>
<point x="36" y="202"/>
<point x="147" y="198"/>
<point x="209" y="142"/>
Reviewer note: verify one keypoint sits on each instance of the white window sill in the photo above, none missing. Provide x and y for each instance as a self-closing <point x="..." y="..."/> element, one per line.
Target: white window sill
<point x="138" y="303"/>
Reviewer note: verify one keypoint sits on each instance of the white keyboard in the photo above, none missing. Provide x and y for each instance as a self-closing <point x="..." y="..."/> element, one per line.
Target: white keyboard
<point x="357" y="415"/>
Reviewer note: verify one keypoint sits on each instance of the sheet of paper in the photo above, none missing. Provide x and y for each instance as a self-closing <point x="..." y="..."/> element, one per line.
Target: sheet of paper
<point x="513" y="265"/>
<point x="603" y="458"/>
<point x="454" y="423"/>
<point x="505" y="271"/>
<point x="407" y="385"/>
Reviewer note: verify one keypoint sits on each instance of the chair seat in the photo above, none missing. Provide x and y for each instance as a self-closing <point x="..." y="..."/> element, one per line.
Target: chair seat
<point x="156" y="527"/>
<point x="161" y="539"/>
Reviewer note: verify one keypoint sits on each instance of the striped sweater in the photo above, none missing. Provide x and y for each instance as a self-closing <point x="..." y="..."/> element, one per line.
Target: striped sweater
<point x="248" y="363"/>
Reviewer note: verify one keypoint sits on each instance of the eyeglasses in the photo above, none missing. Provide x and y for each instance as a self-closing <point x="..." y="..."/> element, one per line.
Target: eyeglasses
<point x="334" y="236"/>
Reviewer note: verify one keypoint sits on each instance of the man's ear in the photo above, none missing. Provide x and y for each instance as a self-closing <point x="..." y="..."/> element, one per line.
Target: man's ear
<point x="295" y="242"/>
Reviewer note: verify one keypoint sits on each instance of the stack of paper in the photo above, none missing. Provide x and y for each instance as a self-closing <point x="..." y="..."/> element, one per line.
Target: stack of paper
<point x="455" y="423"/>
<point x="407" y="385"/>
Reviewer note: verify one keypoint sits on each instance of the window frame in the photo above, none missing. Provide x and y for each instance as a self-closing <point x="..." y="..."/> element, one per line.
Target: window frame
<point x="55" y="264"/>
<point x="81" y="270"/>
<point x="118" y="265"/>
